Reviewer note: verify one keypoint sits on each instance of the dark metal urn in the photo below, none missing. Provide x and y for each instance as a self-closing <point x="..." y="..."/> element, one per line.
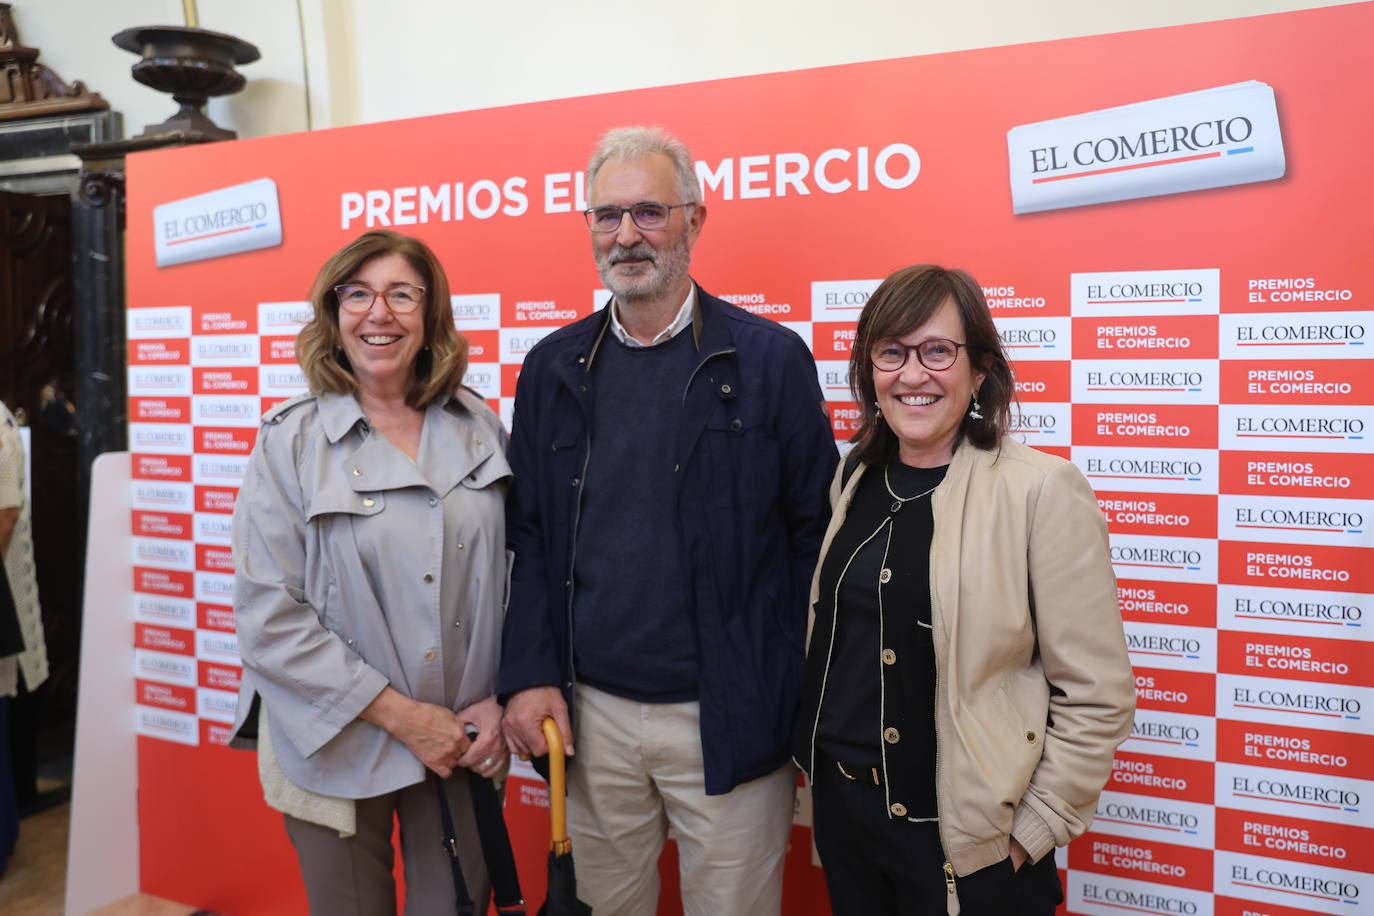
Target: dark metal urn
<point x="193" y="65"/>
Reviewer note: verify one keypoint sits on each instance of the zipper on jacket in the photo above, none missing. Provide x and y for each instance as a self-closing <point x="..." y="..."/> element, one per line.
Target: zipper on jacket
<point x="951" y="894"/>
<point x="572" y="572"/>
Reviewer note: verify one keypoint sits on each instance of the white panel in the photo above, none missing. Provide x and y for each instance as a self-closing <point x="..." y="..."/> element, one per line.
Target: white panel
<point x="102" y="856"/>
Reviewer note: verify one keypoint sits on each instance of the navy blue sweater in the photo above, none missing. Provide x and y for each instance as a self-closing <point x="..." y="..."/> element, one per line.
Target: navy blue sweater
<point x="634" y="632"/>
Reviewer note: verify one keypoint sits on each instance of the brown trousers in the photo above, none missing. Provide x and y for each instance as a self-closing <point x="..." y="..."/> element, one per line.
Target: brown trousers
<point x="353" y="876"/>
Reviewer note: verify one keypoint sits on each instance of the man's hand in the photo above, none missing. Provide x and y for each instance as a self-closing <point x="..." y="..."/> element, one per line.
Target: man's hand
<point x="487" y="756"/>
<point x="525" y="713"/>
<point x="432" y="733"/>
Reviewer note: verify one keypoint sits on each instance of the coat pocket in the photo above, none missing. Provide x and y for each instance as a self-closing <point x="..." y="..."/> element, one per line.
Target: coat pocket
<point x="742" y="455"/>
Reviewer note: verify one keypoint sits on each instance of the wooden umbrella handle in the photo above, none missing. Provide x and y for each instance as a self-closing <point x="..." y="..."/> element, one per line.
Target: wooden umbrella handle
<point x="558" y="796"/>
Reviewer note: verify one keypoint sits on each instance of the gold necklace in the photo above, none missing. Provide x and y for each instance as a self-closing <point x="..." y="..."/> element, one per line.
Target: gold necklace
<point x="900" y="500"/>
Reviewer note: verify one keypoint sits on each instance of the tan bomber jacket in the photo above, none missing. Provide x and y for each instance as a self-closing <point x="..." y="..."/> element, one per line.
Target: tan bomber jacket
<point x="1023" y="599"/>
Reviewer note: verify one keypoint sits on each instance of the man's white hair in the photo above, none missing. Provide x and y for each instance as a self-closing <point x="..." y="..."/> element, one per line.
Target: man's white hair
<point x="624" y="143"/>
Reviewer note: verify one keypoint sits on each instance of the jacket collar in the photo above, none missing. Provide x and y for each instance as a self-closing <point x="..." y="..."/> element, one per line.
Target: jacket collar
<point x="339" y="413"/>
<point x="711" y="330"/>
<point x="449" y="452"/>
<point x="453" y="451"/>
<point x="709" y="333"/>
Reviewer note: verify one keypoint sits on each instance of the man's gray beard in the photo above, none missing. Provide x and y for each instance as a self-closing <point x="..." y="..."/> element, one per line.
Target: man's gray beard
<point x="670" y="268"/>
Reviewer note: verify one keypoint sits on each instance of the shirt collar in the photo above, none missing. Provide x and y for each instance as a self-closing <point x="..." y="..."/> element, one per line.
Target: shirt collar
<point x="680" y="321"/>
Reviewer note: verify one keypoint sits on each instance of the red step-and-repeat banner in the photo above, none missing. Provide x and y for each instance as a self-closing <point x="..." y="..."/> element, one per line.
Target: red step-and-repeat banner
<point x="1173" y="229"/>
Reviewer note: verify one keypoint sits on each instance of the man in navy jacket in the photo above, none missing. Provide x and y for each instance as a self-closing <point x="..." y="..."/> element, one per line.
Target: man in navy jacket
<point x="672" y="457"/>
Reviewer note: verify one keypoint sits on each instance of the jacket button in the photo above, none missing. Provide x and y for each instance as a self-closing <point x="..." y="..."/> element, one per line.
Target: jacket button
<point x="898" y="809"/>
<point x="1030" y="737"/>
<point x="736" y="425"/>
<point x="369" y="502"/>
<point x="885" y="576"/>
<point x="576" y="481"/>
<point x="891" y="735"/>
<point x="350" y="642"/>
<point x="889" y="657"/>
<point x="429" y="577"/>
<point x="725" y="388"/>
<point x="476" y="440"/>
<point x="460" y="546"/>
<point x="457" y="623"/>
<point x="357" y="472"/>
<point x="433" y="501"/>
<point x="429" y="656"/>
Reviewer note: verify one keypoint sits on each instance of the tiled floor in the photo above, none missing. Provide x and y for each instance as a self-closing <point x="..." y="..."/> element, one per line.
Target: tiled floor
<point x="35" y="884"/>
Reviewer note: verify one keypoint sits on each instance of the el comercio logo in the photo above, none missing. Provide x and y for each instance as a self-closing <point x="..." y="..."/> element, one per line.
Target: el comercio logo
<point x="1212" y="138"/>
<point x="242" y="217"/>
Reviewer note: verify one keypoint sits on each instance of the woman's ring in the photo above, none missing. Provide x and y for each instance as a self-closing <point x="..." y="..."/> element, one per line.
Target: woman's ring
<point x="488" y="762"/>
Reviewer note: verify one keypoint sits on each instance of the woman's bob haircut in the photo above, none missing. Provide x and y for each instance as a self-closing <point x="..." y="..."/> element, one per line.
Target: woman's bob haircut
<point x="442" y="362"/>
<point x="901" y="304"/>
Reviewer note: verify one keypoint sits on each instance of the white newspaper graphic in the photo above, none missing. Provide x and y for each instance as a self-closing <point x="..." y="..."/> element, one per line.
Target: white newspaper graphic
<point x="1206" y="139"/>
<point x="242" y="217"/>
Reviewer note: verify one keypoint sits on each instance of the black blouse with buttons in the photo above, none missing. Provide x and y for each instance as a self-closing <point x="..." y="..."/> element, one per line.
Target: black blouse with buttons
<point x="876" y="695"/>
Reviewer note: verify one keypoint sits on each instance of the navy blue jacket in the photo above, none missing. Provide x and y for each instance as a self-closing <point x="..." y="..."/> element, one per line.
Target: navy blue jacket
<point x="756" y="458"/>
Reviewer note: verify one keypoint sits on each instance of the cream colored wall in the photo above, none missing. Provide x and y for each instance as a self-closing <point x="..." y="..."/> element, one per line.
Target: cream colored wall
<point x="463" y="55"/>
<point x="336" y="62"/>
<point x="73" y="37"/>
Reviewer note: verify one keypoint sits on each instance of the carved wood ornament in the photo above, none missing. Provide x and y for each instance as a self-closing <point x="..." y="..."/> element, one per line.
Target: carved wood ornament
<point x="28" y="88"/>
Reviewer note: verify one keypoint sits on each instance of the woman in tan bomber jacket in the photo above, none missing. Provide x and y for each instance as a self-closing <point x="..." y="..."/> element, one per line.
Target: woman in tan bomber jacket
<point x="967" y="677"/>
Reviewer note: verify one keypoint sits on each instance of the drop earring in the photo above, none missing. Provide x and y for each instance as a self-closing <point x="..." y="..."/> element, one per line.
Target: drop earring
<point x="973" y="411"/>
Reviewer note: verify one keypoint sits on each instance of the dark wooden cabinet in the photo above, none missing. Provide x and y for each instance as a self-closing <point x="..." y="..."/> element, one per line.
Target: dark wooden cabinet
<point x="37" y="372"/>
<point x="62" y="366"/>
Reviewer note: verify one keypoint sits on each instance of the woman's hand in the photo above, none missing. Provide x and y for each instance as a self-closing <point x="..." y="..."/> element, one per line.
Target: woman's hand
<point x="432" y="733"/>
<point x="1018" y="855"/>
<point x="487" y="755"/>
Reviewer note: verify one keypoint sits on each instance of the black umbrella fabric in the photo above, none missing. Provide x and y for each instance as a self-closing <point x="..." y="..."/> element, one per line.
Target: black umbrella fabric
<point x="562" y="895"/>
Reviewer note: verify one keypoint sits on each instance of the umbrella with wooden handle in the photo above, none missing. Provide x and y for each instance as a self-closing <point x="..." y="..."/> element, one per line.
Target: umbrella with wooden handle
<point x="561" y="899"/>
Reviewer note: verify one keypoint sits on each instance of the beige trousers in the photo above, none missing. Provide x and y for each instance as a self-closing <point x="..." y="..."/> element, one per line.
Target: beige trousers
<point x="639" y="771"/>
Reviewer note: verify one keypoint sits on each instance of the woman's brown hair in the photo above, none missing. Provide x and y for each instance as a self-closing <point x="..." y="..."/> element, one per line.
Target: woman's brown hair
<point x="440" y="366"/>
